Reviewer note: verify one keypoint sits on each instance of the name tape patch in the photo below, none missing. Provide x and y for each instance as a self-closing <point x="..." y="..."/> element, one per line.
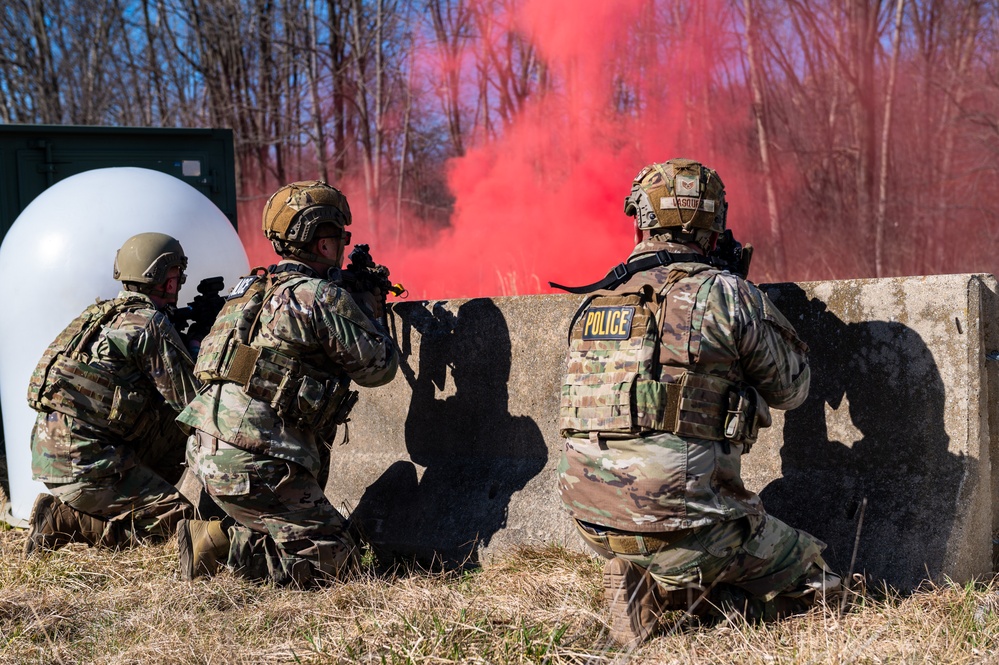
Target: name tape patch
<point x="608" y="322"/>
<point x="685" y="203"/>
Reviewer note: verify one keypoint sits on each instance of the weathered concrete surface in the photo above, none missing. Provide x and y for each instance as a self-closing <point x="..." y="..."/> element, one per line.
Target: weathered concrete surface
<point x="898" y="414"/>
<point x="456" y="458"/>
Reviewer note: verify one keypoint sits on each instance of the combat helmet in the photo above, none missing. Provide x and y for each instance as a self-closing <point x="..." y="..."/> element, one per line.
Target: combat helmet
<point x="145" y="259"/>
<point x="677" y="193"/>
<point x="295" y="212"/>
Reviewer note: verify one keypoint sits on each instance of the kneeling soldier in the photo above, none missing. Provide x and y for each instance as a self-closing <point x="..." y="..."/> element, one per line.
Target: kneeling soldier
<point x="673" y="363"/>
<point x="108" y="391"/>
<point x="278" y="365"/>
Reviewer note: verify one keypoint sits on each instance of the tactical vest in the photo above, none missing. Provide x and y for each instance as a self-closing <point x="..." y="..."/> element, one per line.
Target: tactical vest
<point x="66" y="380"/>
<point x="307" y="397"/>
<point x="627" y="366"/>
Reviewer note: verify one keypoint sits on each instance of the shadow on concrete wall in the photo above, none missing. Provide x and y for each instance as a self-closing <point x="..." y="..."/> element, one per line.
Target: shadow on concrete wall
<point x="475" y="454"/>
<point x="872" y="427"/>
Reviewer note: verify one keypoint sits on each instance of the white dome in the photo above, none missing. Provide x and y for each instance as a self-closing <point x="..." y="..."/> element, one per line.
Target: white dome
<point x="58" y="257"/>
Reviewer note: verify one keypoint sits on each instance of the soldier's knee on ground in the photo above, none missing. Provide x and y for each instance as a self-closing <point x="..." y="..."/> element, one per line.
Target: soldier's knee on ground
<point x="326" y="561"/>
<point x="818" y="585"/>
<point x="250" y="553"/>
<point x="730" y="603"/>
<point x="691" y="600"/>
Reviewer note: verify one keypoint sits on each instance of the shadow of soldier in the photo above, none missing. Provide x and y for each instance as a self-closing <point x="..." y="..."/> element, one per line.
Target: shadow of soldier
<point x="474" y="454"/>
<point x="872" y="427"/>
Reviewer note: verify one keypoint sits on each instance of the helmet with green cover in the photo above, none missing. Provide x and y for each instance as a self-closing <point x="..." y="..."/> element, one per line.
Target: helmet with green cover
<point x="296" y="213"/>
<point x="677" y="193"/>
<point x="144" y="260"/>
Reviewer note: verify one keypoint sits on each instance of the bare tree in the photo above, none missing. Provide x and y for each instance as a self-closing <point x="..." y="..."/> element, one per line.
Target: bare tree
<point x="756" y="87"/>
<point x="879" y="219"/>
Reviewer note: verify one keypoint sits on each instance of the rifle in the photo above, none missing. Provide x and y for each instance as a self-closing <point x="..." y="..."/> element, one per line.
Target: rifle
<point x="728" y="254"/>
<point x="194" y="321"/>
<point x="363" y="275"/>
<point x="732" y="255"/>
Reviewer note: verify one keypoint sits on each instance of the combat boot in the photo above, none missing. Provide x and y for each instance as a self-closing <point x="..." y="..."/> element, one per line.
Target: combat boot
<point x="634" y="600"/>
<point x="203" y="546"/>
<point x="53" y="524"/>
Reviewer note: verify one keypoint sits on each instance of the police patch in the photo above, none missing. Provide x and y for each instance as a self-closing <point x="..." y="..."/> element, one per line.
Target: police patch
<point x="242" y="286"/>
<point x="608" y="323"/>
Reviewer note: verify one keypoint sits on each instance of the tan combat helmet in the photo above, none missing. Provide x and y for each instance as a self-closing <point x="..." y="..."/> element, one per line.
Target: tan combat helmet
<point x="678" y="193"/>
<point x="295" y="212"/>
<point x="145" y="258"/>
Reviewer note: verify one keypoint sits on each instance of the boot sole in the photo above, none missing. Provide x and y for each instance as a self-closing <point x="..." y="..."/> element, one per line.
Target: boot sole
<point x="35" y="544"/>
<point x="622" y="581"/>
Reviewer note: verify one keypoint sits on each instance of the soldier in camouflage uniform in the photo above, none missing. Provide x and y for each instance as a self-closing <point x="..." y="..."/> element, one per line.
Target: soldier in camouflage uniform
<point x="108" y="390"/>
<point x="673" y="364"/>
<point x="278" y="364"/>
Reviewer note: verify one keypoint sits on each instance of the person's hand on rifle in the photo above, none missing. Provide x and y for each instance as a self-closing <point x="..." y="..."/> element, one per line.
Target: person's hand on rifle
<point x="372" y="302"/>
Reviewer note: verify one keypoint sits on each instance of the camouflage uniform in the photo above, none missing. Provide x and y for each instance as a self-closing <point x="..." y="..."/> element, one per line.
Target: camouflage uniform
<point x="262" y="469"/>
<point x="674" y="502"/>
<point x="123" y="478"/>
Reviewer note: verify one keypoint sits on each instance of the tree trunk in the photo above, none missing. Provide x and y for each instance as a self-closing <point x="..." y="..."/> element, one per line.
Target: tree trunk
<point x="761" y="132"/>
<point x="879" y="220"/>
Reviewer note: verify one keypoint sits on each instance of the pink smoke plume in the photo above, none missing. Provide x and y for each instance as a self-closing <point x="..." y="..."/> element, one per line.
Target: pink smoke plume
<point x="544" y="201"/>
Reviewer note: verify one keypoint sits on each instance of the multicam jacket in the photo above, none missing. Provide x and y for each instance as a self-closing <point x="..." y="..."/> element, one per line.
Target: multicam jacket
<point x="140" y="347"/>
<point x="729" y="331"/>
<point x="317" y="323"/>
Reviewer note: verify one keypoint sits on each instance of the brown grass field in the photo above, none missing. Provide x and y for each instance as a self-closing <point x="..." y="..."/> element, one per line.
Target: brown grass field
<point x="82" y="605"/>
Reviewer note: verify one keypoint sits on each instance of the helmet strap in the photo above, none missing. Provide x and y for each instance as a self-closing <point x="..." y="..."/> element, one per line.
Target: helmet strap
<point x="712" y="242"/>
<point x="152" y="290"/>
<point x="305" y="255"/>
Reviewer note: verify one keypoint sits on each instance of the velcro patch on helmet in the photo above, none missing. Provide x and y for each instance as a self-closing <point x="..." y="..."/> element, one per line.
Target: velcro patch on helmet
<point x="608" y="323"/>
<point x="687" y="185"/>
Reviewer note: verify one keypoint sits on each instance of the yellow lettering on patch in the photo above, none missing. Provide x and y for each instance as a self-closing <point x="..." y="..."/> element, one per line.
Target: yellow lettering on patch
<point x="608" y="322"/>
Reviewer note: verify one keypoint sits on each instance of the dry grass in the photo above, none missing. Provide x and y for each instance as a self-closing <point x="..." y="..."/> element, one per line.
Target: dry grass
<point x="81" y="605"/>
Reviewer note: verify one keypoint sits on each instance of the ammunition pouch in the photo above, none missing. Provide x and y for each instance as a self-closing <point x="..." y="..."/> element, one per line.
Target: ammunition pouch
<point x="747" y="413"/>
<point x="295" y="391"/>
<point x="694" y="405"/>
<point x="65" y="381"/>
<point x="302" y="396"/>
<point x="95" y="396"/>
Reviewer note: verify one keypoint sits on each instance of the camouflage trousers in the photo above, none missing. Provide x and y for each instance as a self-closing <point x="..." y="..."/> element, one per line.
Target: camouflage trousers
<point x="138" y="504"/>
<point x="288" y="530"/>
<point x="760" y="555"/>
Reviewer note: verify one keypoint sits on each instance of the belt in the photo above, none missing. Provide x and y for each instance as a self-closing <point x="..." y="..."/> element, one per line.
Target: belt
<point x="623" y="542"/>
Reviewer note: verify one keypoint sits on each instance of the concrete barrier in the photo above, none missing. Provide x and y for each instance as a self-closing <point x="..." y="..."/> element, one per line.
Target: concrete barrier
<point x="455" y="460"/>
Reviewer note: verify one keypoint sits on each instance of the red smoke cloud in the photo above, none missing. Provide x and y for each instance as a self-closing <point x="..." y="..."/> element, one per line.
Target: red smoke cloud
<point x="626" y="83"/>
<point x="544" y="201"/>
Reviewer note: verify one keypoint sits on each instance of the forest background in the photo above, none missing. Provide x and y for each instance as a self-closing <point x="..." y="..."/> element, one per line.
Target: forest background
<point x="486" y="146"/>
